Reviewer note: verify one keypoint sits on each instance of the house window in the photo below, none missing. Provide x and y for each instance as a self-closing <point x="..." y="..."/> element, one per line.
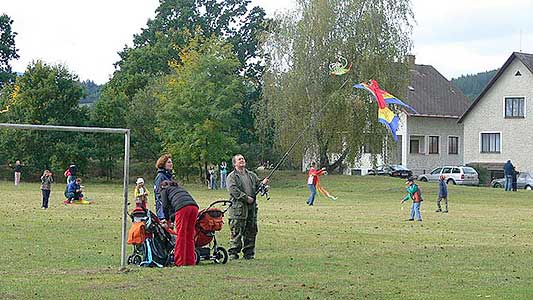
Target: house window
<point x="453" y="145"/>
<point x="433" y="145"/>
<point x="414" y="147"/>
<point x="490" y="143"/>
<point x="514" y="107"/>
<point x="417" y="144"/>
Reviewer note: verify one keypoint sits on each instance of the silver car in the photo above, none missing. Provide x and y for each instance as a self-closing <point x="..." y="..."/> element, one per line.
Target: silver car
<point x="453" y="174"/>
<point x="524" y="181"/>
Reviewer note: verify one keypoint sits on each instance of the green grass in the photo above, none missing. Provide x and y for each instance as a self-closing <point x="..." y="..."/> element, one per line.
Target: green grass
<point x="359" y="247"/>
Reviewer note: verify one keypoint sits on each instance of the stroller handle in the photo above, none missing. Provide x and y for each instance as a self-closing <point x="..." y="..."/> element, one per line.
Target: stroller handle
<point x="224" y="202"/>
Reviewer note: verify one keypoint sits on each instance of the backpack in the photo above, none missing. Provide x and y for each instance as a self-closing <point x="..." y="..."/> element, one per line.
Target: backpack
<point x="417" y="196"/>
<point x="137" y="233"/>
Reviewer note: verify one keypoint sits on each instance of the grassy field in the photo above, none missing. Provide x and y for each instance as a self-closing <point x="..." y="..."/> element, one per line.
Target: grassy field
<point x="359" y="247"/>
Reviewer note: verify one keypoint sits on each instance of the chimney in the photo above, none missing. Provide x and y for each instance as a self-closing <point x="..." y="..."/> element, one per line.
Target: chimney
<point x="410" y="59"/>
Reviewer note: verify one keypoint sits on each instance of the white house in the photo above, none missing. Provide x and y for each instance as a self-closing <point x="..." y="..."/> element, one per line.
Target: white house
<point x="498" y="125"/>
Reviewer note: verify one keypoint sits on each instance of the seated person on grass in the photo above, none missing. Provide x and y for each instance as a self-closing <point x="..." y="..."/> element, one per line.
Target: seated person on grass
<point x="73" y="191"/>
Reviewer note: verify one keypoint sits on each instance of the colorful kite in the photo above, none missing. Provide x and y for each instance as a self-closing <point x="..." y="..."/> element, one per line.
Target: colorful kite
<point x="340" y="67"/>
<point x="324" y="192"/>
<point x="385" y="115"/>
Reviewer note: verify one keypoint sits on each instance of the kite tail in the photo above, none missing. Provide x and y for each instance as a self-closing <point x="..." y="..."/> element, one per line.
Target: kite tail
<point x="325" y="192"/>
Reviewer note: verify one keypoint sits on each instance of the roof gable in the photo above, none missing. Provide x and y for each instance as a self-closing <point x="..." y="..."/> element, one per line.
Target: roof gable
<point x="525" y="58"/>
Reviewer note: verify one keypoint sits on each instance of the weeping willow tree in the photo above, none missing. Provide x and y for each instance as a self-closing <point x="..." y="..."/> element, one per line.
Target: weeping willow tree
<point x="372" y="34"/>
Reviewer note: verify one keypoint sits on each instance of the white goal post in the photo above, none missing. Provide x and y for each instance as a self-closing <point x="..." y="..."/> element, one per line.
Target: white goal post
<point x="126" y="133"/>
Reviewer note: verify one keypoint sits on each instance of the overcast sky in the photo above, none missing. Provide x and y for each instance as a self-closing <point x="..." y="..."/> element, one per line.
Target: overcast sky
<point x="455" y="36"/>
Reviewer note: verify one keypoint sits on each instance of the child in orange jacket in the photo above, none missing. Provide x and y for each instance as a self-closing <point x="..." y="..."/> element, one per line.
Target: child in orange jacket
<point x="312" y="180"/>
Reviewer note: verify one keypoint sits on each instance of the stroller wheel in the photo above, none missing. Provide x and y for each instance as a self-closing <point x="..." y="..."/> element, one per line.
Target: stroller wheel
<point x="136" y="260"/>
<point x="129" y="260"/>
<point x="220" y="255"/>
<point x="198" y="257"/>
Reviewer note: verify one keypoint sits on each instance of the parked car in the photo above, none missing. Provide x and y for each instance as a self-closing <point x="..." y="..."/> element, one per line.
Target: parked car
<point x="391" y="170"/>
<point x="523" y="181"/>
<point x="453" y="174"/>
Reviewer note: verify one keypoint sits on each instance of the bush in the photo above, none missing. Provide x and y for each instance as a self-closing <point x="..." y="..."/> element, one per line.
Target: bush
<point x="483" y="173"/>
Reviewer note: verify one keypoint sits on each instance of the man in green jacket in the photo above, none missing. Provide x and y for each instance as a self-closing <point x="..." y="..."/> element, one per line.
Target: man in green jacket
<point x="243" y="186"/>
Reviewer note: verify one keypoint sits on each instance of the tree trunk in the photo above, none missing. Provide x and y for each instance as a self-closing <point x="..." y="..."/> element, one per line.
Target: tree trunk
<point x="324" y="159"/>
<point x="200" y="171"/>
<point x="338" y="162"/>
<point x="206" y="158"/>
<point x="205" y="172"/>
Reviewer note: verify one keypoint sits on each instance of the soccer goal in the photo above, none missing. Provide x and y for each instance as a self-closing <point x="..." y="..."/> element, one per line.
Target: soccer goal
<point x="125" y="132"/>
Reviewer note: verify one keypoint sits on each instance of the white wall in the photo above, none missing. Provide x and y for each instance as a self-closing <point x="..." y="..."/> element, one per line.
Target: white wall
<point x="441" y="127"/>
<point x="488" y="115"/>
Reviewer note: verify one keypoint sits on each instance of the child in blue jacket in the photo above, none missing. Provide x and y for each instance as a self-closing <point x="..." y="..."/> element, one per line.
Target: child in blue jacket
<point x="74" y="191"/>
<point x="443" y="195"/>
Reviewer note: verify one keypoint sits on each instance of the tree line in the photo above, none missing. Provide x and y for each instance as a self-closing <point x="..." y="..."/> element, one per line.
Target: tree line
<point x="473" y="84"/>
<point x="206" y="79"/>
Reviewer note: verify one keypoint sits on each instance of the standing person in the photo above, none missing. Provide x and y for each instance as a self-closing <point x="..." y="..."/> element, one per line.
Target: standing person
<point x="72" y="173"/>
<point x="140" y="193"/>
<point x="46" y="187"/>
<point x="312" y="180"/>
<point x="181" y="210"/>
<point x="443" y="194"/>
<point x="514" y="179"/>
<point x="508" y="172"/>
<point x="18" y="171"/>
<point x="67" y="175"/>
<point x="223" y="174"/>
<point x="164" y="167"/>
<point x="243" y="186"/>
<point x="213" y="177"/>
<point x="208" y="178"/>
<point x="413" y="192"/>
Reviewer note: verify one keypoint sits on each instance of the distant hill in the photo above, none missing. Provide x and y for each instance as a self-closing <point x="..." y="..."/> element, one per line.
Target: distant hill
<point x="472" y="85"/>
<point x="93" y="92"/>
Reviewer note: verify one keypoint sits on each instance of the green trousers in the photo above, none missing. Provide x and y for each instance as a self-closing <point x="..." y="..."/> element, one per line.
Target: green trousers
<point x="243" y="233"/>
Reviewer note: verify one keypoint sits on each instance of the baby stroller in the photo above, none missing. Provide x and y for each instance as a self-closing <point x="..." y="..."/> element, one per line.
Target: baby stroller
<point x="209" y="221"/>
<point x="153" y="245"/>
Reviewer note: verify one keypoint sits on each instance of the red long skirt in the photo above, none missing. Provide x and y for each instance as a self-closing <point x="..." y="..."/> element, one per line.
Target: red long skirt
<point x="185" y="220"/>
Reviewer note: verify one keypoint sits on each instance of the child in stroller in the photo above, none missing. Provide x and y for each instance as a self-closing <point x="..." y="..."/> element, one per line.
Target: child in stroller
<point x="153" y="244"/>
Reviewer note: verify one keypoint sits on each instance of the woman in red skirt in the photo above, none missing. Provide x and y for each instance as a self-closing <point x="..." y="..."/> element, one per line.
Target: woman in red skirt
<point x="180" y="208"/>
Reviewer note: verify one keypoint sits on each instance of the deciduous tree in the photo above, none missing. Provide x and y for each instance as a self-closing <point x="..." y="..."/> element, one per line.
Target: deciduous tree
<point x="8" y="51"/>
<point x="200" y="103"/>
<point x="373" y="35"/>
